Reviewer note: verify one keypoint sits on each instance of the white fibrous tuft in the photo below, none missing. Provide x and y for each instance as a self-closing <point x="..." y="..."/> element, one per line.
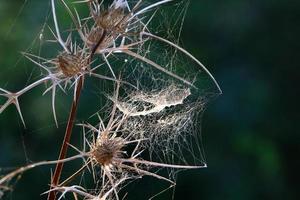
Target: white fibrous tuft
<point x="120" y="4"/>
<point x="142" y="104"/>
<point x="166" y="119"/>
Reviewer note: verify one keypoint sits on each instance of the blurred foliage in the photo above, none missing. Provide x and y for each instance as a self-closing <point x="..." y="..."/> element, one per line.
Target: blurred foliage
<point x="249" y="132"/>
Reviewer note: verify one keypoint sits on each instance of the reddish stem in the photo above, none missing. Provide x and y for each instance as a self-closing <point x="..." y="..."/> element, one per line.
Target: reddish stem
<point x="66" y="141"/>
<point x="68" y="133"/>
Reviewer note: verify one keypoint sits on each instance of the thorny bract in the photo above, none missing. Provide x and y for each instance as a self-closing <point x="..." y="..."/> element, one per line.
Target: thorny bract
<point x="153" y="111"/>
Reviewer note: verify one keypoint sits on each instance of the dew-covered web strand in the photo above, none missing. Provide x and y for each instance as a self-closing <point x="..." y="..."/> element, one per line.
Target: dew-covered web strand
<point x="37" y="39"/>
<point x="16" y="18"/>
<point x="40" y="39"/>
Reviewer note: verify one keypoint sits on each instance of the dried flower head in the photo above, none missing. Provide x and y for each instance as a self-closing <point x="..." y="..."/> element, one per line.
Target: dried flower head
<point x="106" y="150"/>
<point x="72" y="64"/>
<point x="114" y="19"/>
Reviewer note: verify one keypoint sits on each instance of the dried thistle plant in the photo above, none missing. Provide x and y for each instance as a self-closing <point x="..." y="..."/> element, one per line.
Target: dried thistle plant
<point x="151" y="123"/>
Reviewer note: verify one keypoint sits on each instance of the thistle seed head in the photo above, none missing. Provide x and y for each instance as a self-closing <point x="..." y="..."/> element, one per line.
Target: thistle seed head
<point x="109" y="24"/>
<point x="113" y="20"/>
<point x="105" y="150"/>
<point x="71" y="64"/>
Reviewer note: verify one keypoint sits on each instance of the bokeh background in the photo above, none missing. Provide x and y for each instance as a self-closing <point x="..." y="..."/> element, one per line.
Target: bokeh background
<point x="250" y="133"/>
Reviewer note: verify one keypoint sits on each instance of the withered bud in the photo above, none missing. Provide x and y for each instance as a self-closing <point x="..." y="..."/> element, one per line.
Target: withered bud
<point x="106" y="149"/>
<point x="71" y="64"/>
<point x="113" y="20"/>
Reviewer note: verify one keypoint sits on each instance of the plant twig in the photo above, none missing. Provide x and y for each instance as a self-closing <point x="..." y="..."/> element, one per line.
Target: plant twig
<point x="68" y="133"/>
<point x="66" y="141"/>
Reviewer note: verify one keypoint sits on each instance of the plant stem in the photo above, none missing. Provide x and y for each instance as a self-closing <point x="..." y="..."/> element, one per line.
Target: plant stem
<point x="68" y="133"/>
<point x="66" y="141"/>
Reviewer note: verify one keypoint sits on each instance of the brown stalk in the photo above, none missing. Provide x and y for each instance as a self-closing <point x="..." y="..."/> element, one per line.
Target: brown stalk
<point x="69" y="128"/>
<point x="66" y="141"/>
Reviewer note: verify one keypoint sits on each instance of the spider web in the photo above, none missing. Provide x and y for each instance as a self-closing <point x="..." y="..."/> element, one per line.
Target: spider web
<point x="163" y="110"/>
<point x="172" y="128"/>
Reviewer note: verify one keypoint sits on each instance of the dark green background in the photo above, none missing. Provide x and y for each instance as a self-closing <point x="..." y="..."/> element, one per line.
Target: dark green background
<point x="250" y="133"/>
